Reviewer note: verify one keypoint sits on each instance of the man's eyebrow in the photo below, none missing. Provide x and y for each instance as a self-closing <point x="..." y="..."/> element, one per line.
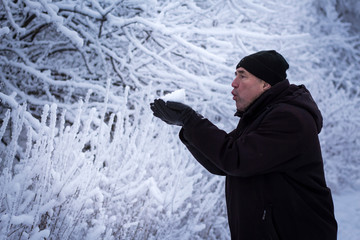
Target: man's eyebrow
<point x="240" y="71"/>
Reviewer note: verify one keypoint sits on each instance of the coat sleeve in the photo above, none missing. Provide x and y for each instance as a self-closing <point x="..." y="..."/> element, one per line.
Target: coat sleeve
<point x="282" y="135"/>
<point x="201" y="158"/>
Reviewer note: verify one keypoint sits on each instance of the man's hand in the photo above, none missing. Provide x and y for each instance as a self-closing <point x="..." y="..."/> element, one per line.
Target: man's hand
<point x="174" y="113"/>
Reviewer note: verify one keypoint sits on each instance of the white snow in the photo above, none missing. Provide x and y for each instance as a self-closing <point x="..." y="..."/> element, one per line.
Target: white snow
<point x="79" y="147"/>
<point x="175" y="96"/>
<point x="43" y="234"/>
<point x="25" y="219"/>
<point x="4" y="30"/>
<point x="347" y="213"/>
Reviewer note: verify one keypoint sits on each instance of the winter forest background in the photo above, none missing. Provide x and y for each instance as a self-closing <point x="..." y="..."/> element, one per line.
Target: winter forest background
<point x="81" y="156"/>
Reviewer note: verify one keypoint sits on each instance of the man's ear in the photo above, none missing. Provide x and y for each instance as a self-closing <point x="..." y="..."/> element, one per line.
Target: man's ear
<point x="266" y="86"/>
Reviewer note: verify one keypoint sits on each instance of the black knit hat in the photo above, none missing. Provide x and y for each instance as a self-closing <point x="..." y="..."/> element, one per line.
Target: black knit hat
<point x="268" y="65"/>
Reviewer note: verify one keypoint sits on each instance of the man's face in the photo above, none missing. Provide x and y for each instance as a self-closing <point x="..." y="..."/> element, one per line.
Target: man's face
<point x="247" y="88"/>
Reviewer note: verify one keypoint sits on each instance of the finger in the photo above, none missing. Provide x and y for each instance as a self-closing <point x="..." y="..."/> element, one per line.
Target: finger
<point x="160" y="113"/>
<point x="175" y="105"/>
<point x="153" y="108"/>
<point x="167" y="112"/>
<point x="157" y="106"/>
<point x="159" y="101"/>
<point x="157" y="113"/>
<point x="160" y="106"/>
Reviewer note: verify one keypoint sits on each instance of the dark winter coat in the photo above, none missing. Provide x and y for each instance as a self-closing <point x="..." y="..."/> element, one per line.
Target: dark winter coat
<point x="275" y="185"/>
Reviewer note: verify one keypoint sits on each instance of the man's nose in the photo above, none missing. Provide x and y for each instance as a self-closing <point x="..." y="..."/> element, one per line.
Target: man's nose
<point x="234" y="84"/>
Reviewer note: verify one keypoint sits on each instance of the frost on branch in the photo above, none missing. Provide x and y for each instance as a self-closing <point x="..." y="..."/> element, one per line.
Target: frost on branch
<point x="81" y="155"/>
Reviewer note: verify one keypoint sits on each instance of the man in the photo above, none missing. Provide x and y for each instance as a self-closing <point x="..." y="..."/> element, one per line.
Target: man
<point x="275" y="184"/>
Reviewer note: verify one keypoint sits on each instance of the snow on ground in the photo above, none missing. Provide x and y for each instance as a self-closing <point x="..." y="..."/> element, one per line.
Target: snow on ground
<point x="347" y="213"/>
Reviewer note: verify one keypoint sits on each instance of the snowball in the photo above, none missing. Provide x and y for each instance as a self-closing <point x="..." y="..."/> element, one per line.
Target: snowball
<point x="176" y="96"/>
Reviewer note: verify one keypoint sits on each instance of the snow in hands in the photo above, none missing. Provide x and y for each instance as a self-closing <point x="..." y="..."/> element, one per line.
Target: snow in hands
<point x="175" y="96"/>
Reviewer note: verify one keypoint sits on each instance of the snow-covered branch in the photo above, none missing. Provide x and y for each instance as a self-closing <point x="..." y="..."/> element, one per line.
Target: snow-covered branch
<point x="80" y="153"/>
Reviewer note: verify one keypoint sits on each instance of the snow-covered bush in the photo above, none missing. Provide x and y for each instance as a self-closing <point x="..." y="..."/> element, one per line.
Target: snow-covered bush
<point x="349" y="11"/>
<point x="112" y="180"/>
<point x="81" y="156"/>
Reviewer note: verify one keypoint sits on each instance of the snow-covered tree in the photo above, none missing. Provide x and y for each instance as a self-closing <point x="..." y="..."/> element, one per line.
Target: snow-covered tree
<point x="81" y="155"/>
